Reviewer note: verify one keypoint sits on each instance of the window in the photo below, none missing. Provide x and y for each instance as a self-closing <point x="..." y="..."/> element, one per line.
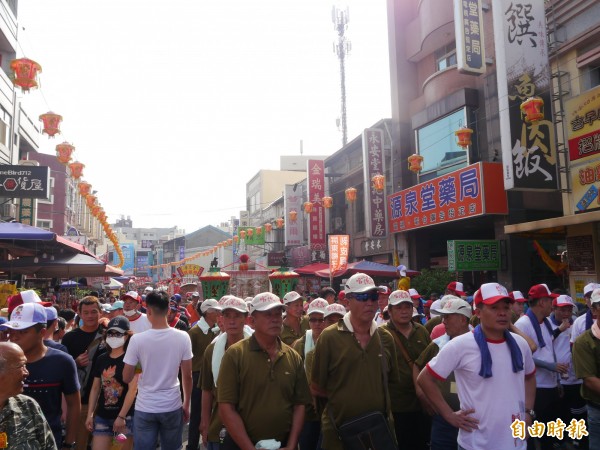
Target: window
<point x="45" y="224"/>
<point x="590" y="76"/>
<point x="436" y="143"/>
<point x="445" y="57"/>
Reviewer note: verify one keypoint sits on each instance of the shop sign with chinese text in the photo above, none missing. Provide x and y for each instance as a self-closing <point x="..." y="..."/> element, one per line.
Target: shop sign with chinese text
<point x="528" y="149"/>
<point x="316" y="191"/>
<point x="339" y="249"/>
<point x="292" y="201"/>
<point x="465" y="193"/>
<point x="374" y="164"/>
<point x="468" y="29"/>
<point x="474" y="255"/>
<point x="24" y="181"/>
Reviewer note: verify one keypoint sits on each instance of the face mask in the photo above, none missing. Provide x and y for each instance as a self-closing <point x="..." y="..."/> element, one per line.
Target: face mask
<point x="129" y="313"/>
<point x="115" y="342"/>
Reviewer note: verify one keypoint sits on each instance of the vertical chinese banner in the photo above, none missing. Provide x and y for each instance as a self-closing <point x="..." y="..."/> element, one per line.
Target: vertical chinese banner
<point x="316" y="219"/>
<point x="292" y="201"/>
<point x="339" y="248"/>
<point x="468" y="29"/>
<point x="374" y="164"/>
<point x="528" y="149"/>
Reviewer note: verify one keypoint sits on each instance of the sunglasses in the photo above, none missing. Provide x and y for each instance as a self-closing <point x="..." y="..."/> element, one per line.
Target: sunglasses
<point x="365" y="296"/>
<point x="114" y="334"/>
<point x="315" y="320"/>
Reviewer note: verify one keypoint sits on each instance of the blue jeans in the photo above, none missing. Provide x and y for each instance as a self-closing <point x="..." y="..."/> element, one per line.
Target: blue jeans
<point x="443" y="435"/>
<point x="148" y="426"/>
<point x="593" y="426"/>
<point x="213" y="445"/>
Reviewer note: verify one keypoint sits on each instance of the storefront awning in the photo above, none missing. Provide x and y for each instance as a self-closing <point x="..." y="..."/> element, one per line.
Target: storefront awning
<point x="553" y="226"/>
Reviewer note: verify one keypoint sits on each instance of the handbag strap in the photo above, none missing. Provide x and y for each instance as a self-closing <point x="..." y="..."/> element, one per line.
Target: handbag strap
<point x="405" y="354"/>
<point x="384" y="377"/>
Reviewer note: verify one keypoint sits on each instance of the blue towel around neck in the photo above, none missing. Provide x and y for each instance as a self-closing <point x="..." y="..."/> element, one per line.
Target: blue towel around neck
<point x="538" y="330"/>
<point x="589" y="320"/>
<point x="486" y="358"/>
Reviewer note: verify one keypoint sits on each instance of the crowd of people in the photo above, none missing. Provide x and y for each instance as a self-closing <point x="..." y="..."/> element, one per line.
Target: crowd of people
<point x="368" y="367"/>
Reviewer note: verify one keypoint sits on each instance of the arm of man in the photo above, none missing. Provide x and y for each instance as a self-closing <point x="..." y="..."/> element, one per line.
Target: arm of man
<point x="186" y="380"/>
<point x="73" y="413"/>
<point x="425" y="403"/>
<point x="297" y="424"/>
<point x="205" y="415"/>
<point x="592" y="383"/>
<point x="530" y="387"/>
<point x="128" y="373"/>
<point x="459" y="419"/>
<point x="532" y="345"/>
<point x="235" y="426"/>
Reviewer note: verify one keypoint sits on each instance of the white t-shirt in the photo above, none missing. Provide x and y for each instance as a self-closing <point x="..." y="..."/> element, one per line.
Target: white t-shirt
<point x="159" y="353"/>
<point x="544" y="378"/>
<point x="562" y="349"/>
<point x="497" y="400"/>
<point x="578" y="328"/>
<point x="140" y="324"/>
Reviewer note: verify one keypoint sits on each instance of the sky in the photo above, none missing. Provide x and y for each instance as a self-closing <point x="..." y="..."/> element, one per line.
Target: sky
<point x="174" y="106"/>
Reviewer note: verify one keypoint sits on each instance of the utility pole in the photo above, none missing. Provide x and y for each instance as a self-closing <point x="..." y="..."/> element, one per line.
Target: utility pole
<point x="342" y="48"/>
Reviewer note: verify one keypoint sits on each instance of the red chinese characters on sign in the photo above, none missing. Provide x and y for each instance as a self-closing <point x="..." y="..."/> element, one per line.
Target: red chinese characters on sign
<point x="465" y="193"/>
<point x="316" y="191"/>
<point x="339" y="248"/>
<point x="374" y="165"/>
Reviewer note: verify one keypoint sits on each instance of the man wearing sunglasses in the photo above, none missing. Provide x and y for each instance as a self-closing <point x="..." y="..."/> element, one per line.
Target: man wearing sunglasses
<point x="348" y="360"/>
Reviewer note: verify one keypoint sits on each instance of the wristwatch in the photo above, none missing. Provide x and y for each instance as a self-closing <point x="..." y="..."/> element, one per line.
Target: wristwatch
<point x="531" y="412"/>
<point x="71" y="445"/>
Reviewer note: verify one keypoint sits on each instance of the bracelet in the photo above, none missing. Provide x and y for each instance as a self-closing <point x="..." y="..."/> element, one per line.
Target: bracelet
<point x="122" y="418"/>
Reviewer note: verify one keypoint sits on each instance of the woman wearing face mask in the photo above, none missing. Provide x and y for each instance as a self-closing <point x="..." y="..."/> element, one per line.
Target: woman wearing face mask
<point x="111" y="402"/>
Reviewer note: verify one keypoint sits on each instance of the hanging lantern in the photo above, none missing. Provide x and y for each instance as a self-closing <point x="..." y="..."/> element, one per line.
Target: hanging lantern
<point x="308" y="207"/>
<point x="532" y="108"/>
<point x="293" y="217"/>
<point x="351" y="194"/>
<point x="95" y="210"/>
<point x="378" y="182"/>
<point x="51" y="123"/>
<point x="259" y="231"/>
<point x="90" y="200"/>
<point x="236" y="238"/>
<point x="84" y="188"/>
<point x="279" y="221"/>
<point x="26" y="72"/>
<point x="243" y="234"/>
<point x="229" y="242"/>
<point x="464" y="136"/>
<point x="250" y="232"/>
<point x="327" y="202"/>
<point x="76" y="169"/>
<point x="64" y="152"/>
<point x="415" y="163"/>
<point x="268" y="227"/>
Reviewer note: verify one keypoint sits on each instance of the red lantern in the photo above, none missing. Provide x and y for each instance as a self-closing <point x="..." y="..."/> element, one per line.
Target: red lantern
<point x="351" y="194"/>
<point x="327" y="202"/>
<point x="293" y="217"/>
<point x="279" y="221"/>
<point x="90" y="200"/>
<point x="259" y="231"/>
<point x="243" y="234"/>
<point x="268" y="227"/>
<point x="64" y="152"/>
<point x="378" y="182"/>
<point x="414" y="163"/>
<point x="250" y="232"/>
<point x="95" y="210"/>
<point x="464" y="136"/>
<point x="51" y="123"/>
<point x="84" y="188"/>
<point x="229" y="242"/>
<point x="26" y="72"/>
<point x="235" y="239"/>
<point x="76" y="169"/>
<point x="308" y="207"/>
<point x="532" y="108"/>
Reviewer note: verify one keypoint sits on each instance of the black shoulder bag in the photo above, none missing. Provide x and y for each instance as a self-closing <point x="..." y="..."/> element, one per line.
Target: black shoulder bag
<point x="369" y="431"/>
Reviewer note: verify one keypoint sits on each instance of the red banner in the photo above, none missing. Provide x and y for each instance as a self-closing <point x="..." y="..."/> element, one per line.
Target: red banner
<point x="339" y="248"/>
<point x="316" y="191"/>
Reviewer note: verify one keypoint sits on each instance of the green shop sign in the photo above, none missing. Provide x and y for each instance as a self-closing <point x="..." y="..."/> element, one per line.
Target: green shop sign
<point x="473" y="255"/>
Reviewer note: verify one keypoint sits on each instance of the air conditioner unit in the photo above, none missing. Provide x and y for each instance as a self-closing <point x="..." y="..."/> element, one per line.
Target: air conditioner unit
<point x="9" y="210"/>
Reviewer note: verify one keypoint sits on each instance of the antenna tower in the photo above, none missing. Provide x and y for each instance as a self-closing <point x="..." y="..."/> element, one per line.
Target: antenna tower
<point x="342" y="48"/>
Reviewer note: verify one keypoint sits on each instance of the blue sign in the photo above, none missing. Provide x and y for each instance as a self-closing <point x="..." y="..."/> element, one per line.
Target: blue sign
<point x="128" y="258"/>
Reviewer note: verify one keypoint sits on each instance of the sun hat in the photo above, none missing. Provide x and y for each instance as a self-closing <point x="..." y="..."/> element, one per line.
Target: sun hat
<point x="290" y="297"/>
<point x="359" y="283"/>
<point x="456" y="305"/>
<point x="235" y="303"/>
<point x="398" y="297"/>
<point x="211" y="303"/>
<point x="265" y="301"/>
<point x="318" y="305"/>
<point x="334" y="308"/>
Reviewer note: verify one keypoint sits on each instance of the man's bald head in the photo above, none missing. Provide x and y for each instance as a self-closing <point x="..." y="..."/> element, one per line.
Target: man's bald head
<point x="9" y="352"/>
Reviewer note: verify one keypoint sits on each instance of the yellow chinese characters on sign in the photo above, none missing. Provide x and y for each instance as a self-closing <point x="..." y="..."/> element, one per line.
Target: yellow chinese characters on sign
<point x="556" y="428"/>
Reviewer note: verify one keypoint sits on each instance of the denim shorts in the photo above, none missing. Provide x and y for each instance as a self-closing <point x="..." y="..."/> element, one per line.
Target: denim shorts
<point x="104" y="427"/>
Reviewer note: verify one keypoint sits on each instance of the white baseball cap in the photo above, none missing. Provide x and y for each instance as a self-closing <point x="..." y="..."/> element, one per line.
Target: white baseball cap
<point x="334" y="308"/>
<point x="290" y="297"/>
<point x="360" y="282"/>
<point x="265" y="301"/>
<point x="456" y="305"/>
<point x="414" y="294"/>
<point x="398" y="297"/>
<point x="595" y="296"/>
<point x="563" y="300"/>
<point x="517" y="296"/>
<point x="318" y="305"/>
<point x="133" y="295"/>
<point x="211" y="303"/>
<point x="235" y="303"/>
<point x="27" y="315"/>
<point x="589" y="288"/>
<point x="490" y="293"/>
<point x="434" y="309"/>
